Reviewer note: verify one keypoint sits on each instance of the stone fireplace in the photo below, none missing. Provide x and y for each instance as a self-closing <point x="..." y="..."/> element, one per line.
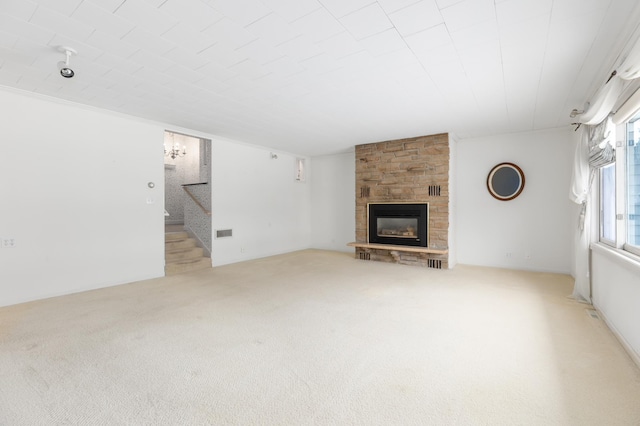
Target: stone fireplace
<point x="406" y="172"/>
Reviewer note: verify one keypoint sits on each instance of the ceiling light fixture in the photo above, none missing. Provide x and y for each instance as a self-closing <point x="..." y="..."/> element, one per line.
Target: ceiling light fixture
<point x="63" y="66"/>
<point x="175" y="150"/>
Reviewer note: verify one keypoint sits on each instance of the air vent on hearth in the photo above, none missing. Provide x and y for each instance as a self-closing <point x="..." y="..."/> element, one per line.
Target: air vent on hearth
<point x="434" y="190"/>
<point x="364" y="255"/>
<point x="222" y="233"/>
<point x="434" y="263"/>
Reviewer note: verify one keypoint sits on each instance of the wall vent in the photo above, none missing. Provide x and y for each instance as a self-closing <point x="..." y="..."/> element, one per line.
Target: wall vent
<point x="364" y="255"/>
<point x="364" y="192"/>
<point x="434" y="190"/>
<point x="434" y="263"/>
<point x="222" y="233"/>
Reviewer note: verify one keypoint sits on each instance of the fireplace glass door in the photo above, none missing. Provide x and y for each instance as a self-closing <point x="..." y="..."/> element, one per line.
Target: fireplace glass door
<point x="398" y="224"/>
<point x="394" y="227"/>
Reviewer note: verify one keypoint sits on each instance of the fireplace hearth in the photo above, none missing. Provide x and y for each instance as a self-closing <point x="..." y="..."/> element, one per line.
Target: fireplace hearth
<point x="399" y="224"/>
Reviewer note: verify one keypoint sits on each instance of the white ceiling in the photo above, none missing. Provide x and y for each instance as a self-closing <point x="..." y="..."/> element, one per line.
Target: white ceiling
<point x="319" y="76"/>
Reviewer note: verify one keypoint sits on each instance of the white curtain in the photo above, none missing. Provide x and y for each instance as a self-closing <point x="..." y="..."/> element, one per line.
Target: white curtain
<point x="579" y="191"/>
<point x="603" y="102"/>
<point x="595" y="149"/>
<point x="627" y="109"/>
<point x="579" y="194"/>
<point x="601" y="145"/>
<point x="629" y="69"/>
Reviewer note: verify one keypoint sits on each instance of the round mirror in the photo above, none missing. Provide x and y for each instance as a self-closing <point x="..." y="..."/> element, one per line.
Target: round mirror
<point x="505" y="181"/>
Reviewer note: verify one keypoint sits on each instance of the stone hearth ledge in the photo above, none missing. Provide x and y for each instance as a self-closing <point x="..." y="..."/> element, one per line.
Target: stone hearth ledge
<point x="390" y="247"/>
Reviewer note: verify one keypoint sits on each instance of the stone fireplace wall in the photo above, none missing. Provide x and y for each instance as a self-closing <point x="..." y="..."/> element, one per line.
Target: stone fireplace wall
<point x="413" y="170"/>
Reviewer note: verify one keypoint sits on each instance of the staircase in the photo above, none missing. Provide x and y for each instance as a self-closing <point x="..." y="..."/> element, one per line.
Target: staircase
<point x="182" y="254"/>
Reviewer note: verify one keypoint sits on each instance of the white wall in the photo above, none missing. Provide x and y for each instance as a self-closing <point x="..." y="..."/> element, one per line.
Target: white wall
<point x="616" y="294"/>
<point x="73" y="195"/>
<point x="453" y="202"/>
<point x="535" y="229"/>
<point x="78" y="208"/>
<point x="333" y="205"/>
<point x="259" y="199"/>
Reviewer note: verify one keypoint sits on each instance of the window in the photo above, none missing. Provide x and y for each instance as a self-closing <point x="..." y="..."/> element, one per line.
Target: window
<point x="608" y="204"/>
<point x="632" y="176"/>
<point x="619" y="191"/>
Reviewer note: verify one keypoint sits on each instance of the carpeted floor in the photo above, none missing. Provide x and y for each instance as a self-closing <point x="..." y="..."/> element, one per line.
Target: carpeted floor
<point x="317" y="338"/>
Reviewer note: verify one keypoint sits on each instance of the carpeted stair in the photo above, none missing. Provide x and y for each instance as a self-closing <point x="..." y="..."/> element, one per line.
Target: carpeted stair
<point x="182" y="254"/>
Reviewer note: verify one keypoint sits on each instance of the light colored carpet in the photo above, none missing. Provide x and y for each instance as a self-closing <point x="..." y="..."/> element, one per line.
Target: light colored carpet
<point x="317" y="338"/>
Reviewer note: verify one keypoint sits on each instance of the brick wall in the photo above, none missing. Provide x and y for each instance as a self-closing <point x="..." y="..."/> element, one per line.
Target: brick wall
<point x="412" y="170"/>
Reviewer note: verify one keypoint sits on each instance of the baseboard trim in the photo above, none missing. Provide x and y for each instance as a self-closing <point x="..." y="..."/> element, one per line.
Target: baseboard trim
<point x="635" y="357"/>
<point x="83" y="289"/>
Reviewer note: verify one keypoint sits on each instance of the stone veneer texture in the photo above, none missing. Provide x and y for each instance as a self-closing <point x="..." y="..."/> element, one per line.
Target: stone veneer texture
<point x="413" y="170"/>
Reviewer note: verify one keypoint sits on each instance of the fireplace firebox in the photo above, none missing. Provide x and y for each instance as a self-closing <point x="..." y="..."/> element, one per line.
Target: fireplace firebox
<point x="399" y="224"/>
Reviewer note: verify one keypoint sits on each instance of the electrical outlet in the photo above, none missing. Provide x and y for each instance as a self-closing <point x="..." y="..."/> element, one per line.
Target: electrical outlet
<point x="8" y="242"/>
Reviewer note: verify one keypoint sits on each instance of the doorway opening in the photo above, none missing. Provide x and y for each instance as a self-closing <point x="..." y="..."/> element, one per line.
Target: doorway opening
<point x="187" y="196"/>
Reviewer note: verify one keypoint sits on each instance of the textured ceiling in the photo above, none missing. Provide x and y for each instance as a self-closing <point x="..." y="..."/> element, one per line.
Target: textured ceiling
<point x="319" y="76"/>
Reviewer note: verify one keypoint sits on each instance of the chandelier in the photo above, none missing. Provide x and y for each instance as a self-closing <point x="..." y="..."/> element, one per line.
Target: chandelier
<point x="175" y="150"/>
